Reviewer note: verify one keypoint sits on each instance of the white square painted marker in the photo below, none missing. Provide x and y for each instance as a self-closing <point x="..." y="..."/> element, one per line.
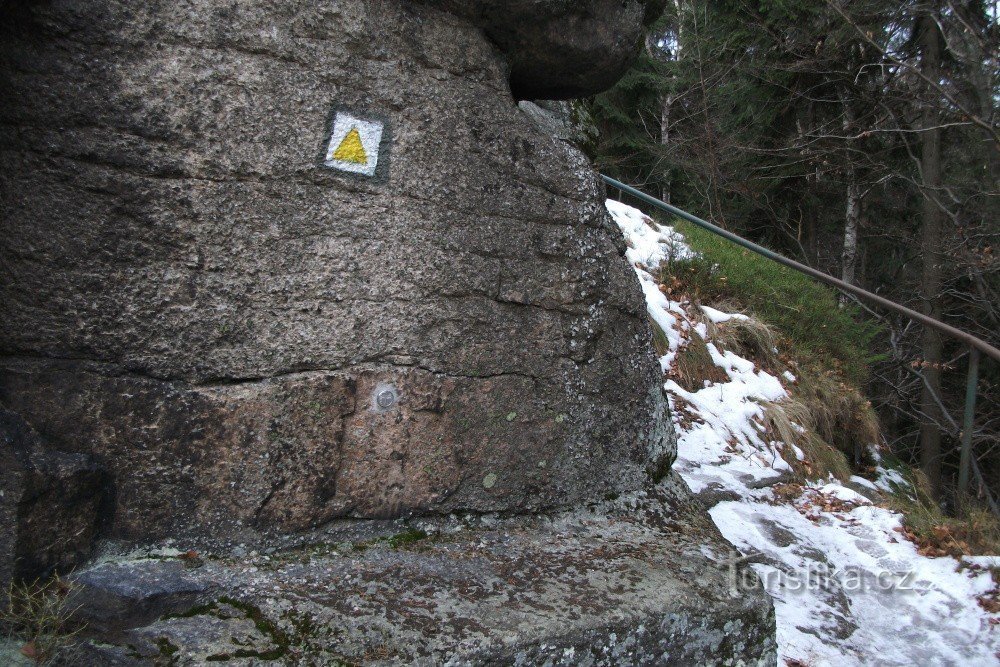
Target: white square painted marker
<point x="354" y="144"/>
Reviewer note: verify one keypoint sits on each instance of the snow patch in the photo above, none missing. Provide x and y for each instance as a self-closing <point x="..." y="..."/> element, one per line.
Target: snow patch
<point x="718" y="317"/>
<point x="848" y="588"/>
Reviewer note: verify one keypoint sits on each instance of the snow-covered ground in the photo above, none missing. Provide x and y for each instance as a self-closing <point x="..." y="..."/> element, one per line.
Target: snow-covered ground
<point x="848" y="588"/>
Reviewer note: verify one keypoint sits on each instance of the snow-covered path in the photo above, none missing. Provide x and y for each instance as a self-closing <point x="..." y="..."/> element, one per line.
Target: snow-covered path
<point x="848" y="588"/>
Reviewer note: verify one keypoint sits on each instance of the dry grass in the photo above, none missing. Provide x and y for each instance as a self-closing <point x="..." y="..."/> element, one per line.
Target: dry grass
<point x="40" y="615"/>
<point x="841" y="415"/>
<point x="833" y="409"/>
<point x="693" y="365"/>
<point x="793" y="422"/>
<point x="976" y="532"/>
<point x="749" y="338"/>
<point x="827" y="418"/>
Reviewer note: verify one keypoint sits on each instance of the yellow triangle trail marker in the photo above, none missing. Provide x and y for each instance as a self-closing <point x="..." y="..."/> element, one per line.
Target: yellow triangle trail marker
<point x="355" y="145"/>
<point x="351" y="149"/>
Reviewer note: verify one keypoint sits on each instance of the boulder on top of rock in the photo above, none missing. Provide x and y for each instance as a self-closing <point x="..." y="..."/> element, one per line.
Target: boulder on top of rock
<point x="558" y="49"/>
<point x="50" y="504"/>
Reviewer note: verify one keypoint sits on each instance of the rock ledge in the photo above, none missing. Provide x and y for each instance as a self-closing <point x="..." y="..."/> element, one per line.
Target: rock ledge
<point x="642" y="580"/>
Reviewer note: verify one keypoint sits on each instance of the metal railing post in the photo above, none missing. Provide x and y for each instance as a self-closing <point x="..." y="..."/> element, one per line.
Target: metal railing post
<point x="848" y="288"/>
<point x="970" y="415"/>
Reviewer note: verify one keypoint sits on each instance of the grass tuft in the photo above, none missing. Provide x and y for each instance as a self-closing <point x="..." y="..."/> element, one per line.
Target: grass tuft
<point x="843" y="417"/>
<point x="40" y="614"/>
<point x="805" y="314"/>
<point x="693" y="365"/>
<point x="793" y="422"/>
<point x="749" y="338"/>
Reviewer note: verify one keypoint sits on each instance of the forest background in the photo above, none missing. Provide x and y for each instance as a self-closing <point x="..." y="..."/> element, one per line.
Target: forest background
<point x="860" y="137"/>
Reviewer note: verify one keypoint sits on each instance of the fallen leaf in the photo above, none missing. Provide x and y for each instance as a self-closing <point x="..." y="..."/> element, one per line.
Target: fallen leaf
<point x="29" y="650"/>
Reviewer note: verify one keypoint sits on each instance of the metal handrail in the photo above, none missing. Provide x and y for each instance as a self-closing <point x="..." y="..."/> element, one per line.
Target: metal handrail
<point x="976" y="345"/>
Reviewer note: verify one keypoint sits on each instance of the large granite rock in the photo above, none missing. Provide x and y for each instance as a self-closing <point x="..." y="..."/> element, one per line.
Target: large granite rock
<point x="247" y="339"/>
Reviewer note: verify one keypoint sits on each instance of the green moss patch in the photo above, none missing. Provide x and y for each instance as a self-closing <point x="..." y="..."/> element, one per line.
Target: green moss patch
<point x="806" y="314"/>
<point x="407" y="538"/>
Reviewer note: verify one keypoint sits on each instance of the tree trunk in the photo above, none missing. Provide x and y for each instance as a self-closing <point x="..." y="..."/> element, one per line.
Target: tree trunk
<point x="668" y="102"/>
<point x="852" y="213"/>
<point x="852" y="223"/>
<point x="930" y="241"/>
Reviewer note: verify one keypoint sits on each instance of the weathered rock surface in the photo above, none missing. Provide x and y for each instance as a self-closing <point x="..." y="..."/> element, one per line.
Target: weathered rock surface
<point x="645" y="580"/>
<point x="220" y="634"/>
<point x="50" y="504"/>
<point x="565" y="120"/>
<point x="113" y="597"/>
<point x="192" y="299"/>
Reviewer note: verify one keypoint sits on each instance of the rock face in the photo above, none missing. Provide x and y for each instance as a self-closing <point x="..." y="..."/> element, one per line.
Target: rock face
<point x="50" y="504"/>
<point x="565" y="120"/>
<point x="247" y="339"/>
